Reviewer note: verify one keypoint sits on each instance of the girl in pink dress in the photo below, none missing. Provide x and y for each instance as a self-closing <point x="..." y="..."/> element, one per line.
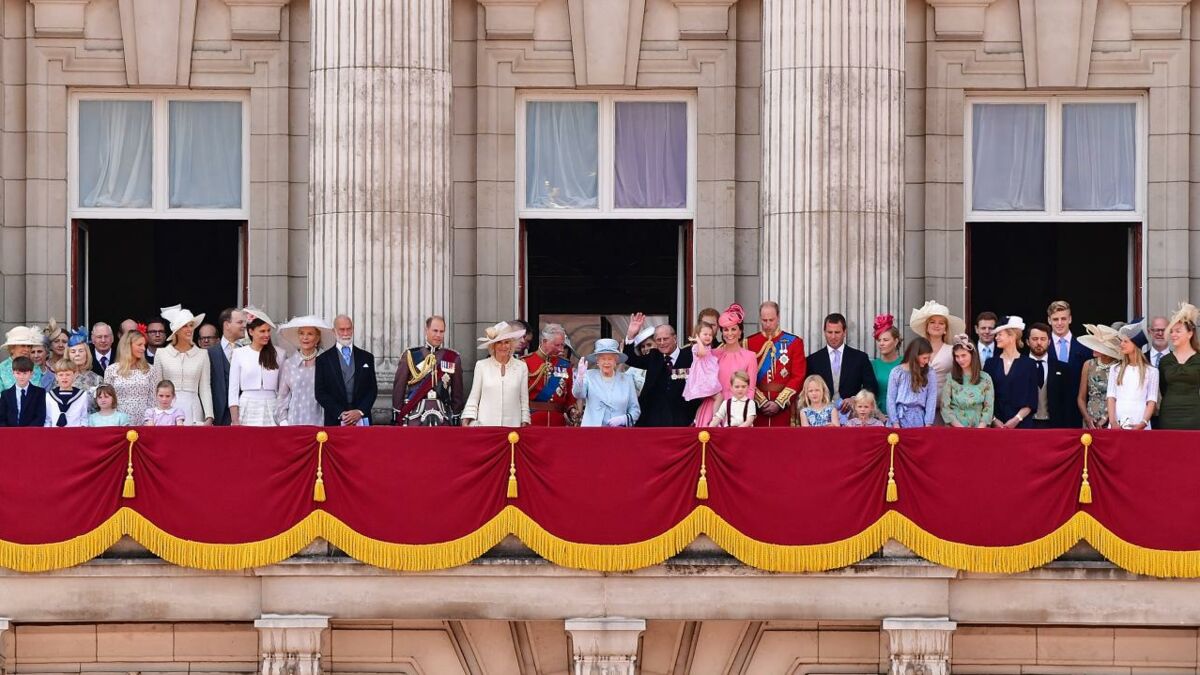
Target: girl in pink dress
<point x="702" y="381"/>
<point x="731" y="357"/>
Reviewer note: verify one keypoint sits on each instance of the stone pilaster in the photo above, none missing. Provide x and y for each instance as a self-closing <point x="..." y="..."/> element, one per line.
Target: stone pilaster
<point x="379" y="200"/>
<point x="290" y="644"/>
<point x="833" y="170"/>
<point x="6" y="641"/>
<point x="920" y="646"/>
<point x="606" y="646"/>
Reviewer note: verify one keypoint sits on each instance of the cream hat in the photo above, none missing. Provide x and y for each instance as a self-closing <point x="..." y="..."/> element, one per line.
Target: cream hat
<point x="253" y="313"/>
<point x="26" y="336"/>
<point x="178" y="318"/>
<point x="1102" y="339"/>
<point x="930" y="309"/>
<point x="1186" y="312"/>
<point x="499" y="333"/>
<point x="1011" y="322"/>
<point x="606" y="346"/>
<point x="289" y="333"/>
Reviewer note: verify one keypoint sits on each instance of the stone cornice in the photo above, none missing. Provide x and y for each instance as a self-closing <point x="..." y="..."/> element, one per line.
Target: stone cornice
<point x="703" y="19"/>
<point x="959" y="19"/>
<point x="509" y="19"/>
<point x="256" y="19"/>
<point x="59" y="18"/>
<point x="1157" y="19"/>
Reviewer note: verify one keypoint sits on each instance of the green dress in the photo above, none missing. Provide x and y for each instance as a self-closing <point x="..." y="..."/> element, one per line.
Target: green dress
<point x="1179" y="393"/>
<point x="883" y="370"/>
<point x="969" y="404"/>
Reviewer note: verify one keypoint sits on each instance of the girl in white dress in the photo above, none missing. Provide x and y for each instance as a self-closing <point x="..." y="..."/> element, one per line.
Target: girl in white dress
<point x="186" y="366"/>
<point x="500" y="390"/>
<point x="254" y="374"/>
<point x="1132" y="388"/>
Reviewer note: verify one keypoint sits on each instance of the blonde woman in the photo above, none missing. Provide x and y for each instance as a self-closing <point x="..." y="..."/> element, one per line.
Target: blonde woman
<point x="1132" y="388"/>
<point x="499" y="391"/>
<point x="132" y="376"/>
<point x="187" y="366"/>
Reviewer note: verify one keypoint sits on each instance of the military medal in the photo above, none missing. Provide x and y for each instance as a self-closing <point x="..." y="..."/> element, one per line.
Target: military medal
<point x="783" y="359"/>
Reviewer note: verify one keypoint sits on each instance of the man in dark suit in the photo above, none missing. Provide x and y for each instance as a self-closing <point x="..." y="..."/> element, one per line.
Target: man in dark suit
<point x="1065" y="350"/>
<point x="233" y="328"/>
<point x="345" y="384"/>
<point x="23" y="405"/>
<point x="103" y="354"/>
<point x="1050" y="378"/>
<point x="666" y="367"/>
<point x="846" y="370"/>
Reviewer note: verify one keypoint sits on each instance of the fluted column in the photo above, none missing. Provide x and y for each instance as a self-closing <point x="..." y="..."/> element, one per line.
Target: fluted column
<point x="379" y="201"/>
<point x="833" y="159"/>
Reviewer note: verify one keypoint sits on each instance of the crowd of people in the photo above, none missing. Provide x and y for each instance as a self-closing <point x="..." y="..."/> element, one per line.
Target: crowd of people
<point x="243" y="369"/>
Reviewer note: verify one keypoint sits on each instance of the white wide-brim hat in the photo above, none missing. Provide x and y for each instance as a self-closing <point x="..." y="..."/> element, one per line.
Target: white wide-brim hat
<point x="606" y="346"/>
<point x="645" y="334"/>
<point x="22" y="336"/>
<point x="178" y="318"/>
<point x="499" y="333"/>
<point x="921" y="316"/>
<point x="1011" y="323"/>
<point x="252" y="313"/>
<point x="1103" y="340"/>
<point x="289" y="333"/>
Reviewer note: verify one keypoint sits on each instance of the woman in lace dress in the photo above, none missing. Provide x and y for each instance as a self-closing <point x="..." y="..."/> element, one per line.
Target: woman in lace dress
<point x="296" y="401"/>
<point x="132" y="376"/>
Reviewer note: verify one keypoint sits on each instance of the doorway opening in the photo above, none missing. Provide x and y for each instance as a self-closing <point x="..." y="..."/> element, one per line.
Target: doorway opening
<point x="1020" y="268"/>
<point x="589" y="275"/>
<point x="132" y="268"/>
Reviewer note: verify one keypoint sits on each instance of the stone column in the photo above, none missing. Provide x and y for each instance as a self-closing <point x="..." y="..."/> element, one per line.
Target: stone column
<point x="6" y="642"/>
<point x="606" y="646"/>
<point x="379" y="195"/>
<point x="920" y="646"/>
<point x="833" y="162"/>
<point x="290" y="644"/>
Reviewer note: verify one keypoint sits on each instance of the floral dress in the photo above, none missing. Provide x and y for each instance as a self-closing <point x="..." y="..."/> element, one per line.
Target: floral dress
<point x="1097" y="390"/>
<point x="135" y="391"/>
<point x="969" y="404"/>
<point x="296" y="402"/>
<point x="819" y="417"/>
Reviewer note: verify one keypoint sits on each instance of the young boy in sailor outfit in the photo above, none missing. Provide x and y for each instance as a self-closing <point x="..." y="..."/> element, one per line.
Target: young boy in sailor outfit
<point x="66" y="405"/>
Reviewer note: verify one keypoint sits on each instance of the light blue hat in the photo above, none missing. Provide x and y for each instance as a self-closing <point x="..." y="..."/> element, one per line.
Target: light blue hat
<point x="606" y="346"/>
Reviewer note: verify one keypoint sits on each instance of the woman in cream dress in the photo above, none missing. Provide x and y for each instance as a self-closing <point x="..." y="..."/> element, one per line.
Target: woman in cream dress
<point x="186" y="366"/>
<point x="500" y="390"/>
<point x="934" y="322"/>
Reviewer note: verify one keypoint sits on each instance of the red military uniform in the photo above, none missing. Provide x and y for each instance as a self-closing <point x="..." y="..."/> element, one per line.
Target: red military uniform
<point x="781" y="369"/>
<point x="550" y="396"/>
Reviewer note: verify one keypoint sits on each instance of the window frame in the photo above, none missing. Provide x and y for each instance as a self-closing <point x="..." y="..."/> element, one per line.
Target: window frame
<point x="606" y="137"/>
<point x="1052" y="175"/>
<point x="160" y="174"/>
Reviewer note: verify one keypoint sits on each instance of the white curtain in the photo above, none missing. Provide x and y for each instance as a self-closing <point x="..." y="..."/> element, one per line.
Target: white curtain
<point x="561" y="155"/>
<point x="1099" y="162"/>
<point x="1008" y="163"/>
<point x="116" y="154"/>
<point x="651" y="155"/>
<point x="206" y="154"/>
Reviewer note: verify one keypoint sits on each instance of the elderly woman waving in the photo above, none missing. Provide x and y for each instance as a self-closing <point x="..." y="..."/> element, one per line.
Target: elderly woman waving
<point x="611" y="396"/>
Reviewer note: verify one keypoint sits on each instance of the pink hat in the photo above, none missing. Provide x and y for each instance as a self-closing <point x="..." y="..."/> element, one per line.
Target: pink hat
<point x="732" y="316"/>
<point x="883" y="323"/>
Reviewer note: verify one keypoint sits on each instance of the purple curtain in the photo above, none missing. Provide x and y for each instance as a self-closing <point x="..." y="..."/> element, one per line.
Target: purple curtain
<point x="651" y="155"/>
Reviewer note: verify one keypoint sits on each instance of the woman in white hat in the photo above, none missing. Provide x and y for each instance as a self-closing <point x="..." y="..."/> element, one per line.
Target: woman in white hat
<point x="19" y="341"/>
<point x="499" y="391"/>
<point x="1014" y="377"/>
<point x="934" y="322"/>
<point x="610" y="396"/>
<point x="296" y="403"/>
<point x="1092" y="401"/>
<point x="186" y="366"/>
<point x="254" y="374"/>
<point x="1179" y="373"/>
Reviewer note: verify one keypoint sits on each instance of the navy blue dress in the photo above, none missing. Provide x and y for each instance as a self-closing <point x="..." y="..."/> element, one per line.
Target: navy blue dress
<point x="1015" y="390"/>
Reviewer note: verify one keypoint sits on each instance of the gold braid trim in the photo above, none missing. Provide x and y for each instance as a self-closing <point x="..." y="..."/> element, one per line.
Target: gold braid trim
<point x="785" y="396"/>
<point x="601" y="558"/>
<point x="427" y="365"/>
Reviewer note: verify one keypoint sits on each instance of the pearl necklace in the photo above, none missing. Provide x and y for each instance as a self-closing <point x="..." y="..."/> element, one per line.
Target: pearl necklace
<point x="309" y="358"/>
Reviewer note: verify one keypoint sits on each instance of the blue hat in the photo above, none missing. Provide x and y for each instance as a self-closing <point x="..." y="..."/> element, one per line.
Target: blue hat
<point x="79" y="336"/>
<point x="606" y="346"/>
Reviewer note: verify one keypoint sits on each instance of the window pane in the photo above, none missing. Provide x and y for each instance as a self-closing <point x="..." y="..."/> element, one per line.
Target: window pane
<point x="1008" y="166"/>
<point x="116" y="154"/>
<point x="561" y="155"/>
<point x="206" y="154"/>
<point x="1099" y="165"/>
<point x="651" y="158"/>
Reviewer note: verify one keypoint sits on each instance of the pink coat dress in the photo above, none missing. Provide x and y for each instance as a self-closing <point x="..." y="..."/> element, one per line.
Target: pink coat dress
<point x="728" y="363"/>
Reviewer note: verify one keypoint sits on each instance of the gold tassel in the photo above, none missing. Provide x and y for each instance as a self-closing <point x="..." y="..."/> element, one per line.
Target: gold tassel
<point x="129" y="491"/>
<point x="1085" y="489"/>
<point x="702" y="485"/>
<point x="513" y="437"/>
<point x="319" y="486"/>
<point x="892" y="494"/>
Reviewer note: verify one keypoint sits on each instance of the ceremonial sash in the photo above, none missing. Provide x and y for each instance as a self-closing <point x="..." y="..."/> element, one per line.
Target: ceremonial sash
<point x="422" y="389"/>
<point x="779" y="345"/>
<point x="550" y="387"/>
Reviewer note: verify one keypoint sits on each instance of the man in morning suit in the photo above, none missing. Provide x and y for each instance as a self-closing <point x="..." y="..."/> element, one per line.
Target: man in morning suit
<point x="233" y="328"/>
<point x="846" y="370"/>
<point x="667" y="367"/>
<point x="345" y="381"/>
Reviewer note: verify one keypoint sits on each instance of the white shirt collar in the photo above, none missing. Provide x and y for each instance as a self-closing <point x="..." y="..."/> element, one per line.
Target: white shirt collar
<point x="1056" y="339"/>
<point x="836" y="350"/>
<point x="1041" y="358"/>
<point x="100" y="354"/>
<point x="675" y="354"/>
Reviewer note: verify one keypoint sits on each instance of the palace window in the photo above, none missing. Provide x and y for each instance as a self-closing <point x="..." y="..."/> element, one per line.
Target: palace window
<point x="178" y="155"/>
<point x="606" y="156"/>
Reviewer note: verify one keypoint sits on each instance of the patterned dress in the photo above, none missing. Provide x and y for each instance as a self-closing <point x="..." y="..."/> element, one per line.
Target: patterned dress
<point x="1097" y="389"/>
<point x="296" y="403"/>
<point x="908" y="408"/>
<point x="135" y="391"/>
<point x="969" y="404"/>
<point x="818" y="417"/>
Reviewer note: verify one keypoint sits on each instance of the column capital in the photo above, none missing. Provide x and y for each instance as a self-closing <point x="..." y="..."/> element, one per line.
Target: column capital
<point x="920" y="645"/>
<point x="291" y="643"/>
<point x="607" y="645"/>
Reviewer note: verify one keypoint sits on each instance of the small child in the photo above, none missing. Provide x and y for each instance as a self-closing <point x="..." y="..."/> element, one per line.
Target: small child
<point x="66" y="405"/>
<point x="866" y="412"/>
<point x="818" y="410"/>
<point x="107" y="415"/>
<point x="704" y="379"/>
<point x="23" y="405"/>
<point x="165" y="414"/>
<point x="738" y="410"/>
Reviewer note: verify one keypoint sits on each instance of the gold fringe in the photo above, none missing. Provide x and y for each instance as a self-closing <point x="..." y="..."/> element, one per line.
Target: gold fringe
<point x="129" y="490"/>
